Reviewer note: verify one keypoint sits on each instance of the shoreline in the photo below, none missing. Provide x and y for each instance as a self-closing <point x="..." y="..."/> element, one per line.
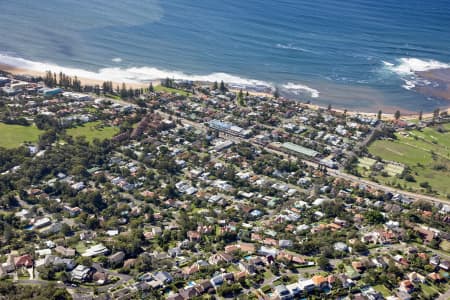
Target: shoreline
<point x="84" y="81"/>
<point x="89" y="81"/>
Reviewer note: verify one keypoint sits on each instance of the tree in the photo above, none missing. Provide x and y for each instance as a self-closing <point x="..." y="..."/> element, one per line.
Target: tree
<point x="66" y="230"/>
<point x="85" y="261"/>
<point x="241" y="98"/>
<point x="323" y="263"/>
<point x="151" y="89"/>
<point x="397" y="115"/>
<point x="379" y="114"/>
<point x="276" y="93"/>
<point x="425" y="185"/>
<point x="329" y="107"/>
<point x="215" y="86"/>
<point x="374" y="217"/>
<point x="124" y="91"/>
<point x="46" y="272"/>
<point x="420" y="115"/>
<point x="8" y="201"/>
<point x="222" y="87"/>
<point x="360" y="247"/>
<point x="436" y="113"/>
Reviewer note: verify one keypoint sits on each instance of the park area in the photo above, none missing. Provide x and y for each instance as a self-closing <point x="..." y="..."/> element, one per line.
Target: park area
<point x="160" y="88"/>
<point x="12" y="136"/>
<point x="93" y="130"/>
<point x="426" y="152"/>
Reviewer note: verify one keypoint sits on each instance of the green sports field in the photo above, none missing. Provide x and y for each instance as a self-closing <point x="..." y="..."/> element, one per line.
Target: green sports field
<point x="425" y="152"/>
<point x="12" y="136"/>
<point x="160" y="88"/>
<point x="93" y="130"/>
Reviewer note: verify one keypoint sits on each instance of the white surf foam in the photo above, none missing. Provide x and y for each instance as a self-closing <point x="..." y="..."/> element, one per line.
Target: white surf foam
<point x="388" y="64"/>
<point x="291" y="47"/>
<point x="129" y="75"/>
<point x="301" y="88"/>
<point x="405" y="66"/>
<point x="117" y="59"/>
<point x="406" y="69"/>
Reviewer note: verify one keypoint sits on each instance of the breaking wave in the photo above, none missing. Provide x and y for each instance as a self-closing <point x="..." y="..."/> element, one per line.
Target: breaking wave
<point x="406" y="66"/>
<point x="406" y="69"/>
<point x="129" y="75"/>
<point x="301" y="89"/>
<point x="292" y="47"/>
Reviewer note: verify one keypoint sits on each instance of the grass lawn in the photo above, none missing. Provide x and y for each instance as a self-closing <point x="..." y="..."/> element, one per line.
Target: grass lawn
<point x="92" y="130"/>
<point x="367" y="162"/>
<point x="232" y="268"/>
<point x="266" y="288"/>
<point x="12" y="136"/>
<point x="393" y="170"/>
<point x="445" y="245"/>
<point x="268" y="274"/>
<point x="426" y="153"/>
<point x="383" y="290"/>
<point x="80" y="247"/>
<point x="277" y="282"/>
<point x="428" y="290"/>
<point x="160" y="88"/>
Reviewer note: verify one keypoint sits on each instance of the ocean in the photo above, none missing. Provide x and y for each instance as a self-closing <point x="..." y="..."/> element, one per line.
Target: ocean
<point x="353" y="54"/>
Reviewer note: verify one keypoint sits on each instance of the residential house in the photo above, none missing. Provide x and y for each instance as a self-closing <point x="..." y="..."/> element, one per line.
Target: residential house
<point x="246" y="267"/>
<point x="320" y="282"/>
<point x="188" y="293"/>
<point x="220" y="257"/>
<point x="282" y="292"/>
<point x="358" y="266"/>
<point x="116" y="259"/>
<point x="9" y="265"/>
<point x="204" y="286"/>
<point x="416" y="277"/>
<point x="66" y="252"/>
<point x="294" y="289"/>
<point x="346" y="281"/>
<point x="23" y="261"/>
<point x="435" y="260"/>
<point x="445" y="265"/>
<point x="435" y="277"/>
<point x="306" y="285"/>
<point x="379" y="262"/>
<point x="193" y="236"/>
<point x="285" y="243"/>
<point x="191" y="269"/>
<point x="217" y="281"/>
<point x="406" y="286"/>
<point x="339" y="246"/>
<point x="174" y="252"/>
<point x="164" y="277"/>
<point x="96" y="250"/>
<point x="81" y="273"/>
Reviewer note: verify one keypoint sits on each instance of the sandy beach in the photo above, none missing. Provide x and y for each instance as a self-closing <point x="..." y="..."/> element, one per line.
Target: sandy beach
<point x="84" y="81"/>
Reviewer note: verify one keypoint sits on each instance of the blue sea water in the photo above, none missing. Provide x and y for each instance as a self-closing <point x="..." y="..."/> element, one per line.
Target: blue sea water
<point x="354" y="54"/>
